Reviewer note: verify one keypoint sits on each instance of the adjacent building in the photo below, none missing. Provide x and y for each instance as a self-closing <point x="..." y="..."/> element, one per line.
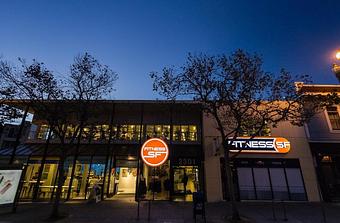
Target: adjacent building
<point x="263" y="174"/>
<point x="323" y="134"/>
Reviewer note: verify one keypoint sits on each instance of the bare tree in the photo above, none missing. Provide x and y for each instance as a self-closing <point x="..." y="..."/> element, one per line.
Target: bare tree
<point x="239" y="95"/>
<point x="7" y="93"/>
<point x="63" y="102"/>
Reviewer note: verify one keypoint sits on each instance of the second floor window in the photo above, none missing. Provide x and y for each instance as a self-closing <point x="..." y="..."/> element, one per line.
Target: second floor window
<point x="185" y="133"/>
<point x="43" y="132"/>
<point x="129" y="132"/>
<point x="334" y="117"/>
<point x="265" y="131"/>
<point x="160" y="131"/>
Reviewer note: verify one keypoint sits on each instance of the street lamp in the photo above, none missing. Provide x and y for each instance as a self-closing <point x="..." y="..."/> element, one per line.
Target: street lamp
<point x="336" y="65"/>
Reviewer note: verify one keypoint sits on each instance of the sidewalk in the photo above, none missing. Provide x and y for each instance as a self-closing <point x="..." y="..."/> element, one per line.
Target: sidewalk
<point x="125" y="211"/>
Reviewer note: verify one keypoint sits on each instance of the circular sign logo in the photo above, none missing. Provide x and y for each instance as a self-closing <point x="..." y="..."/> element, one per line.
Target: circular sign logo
<point x="154" y="152"/>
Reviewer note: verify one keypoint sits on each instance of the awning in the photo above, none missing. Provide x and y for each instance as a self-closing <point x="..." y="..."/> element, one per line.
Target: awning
<point x="22" y="150"/>
<point x="55" y="150"/>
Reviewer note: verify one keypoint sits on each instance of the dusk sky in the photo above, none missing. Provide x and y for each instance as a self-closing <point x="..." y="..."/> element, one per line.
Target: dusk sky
<point x="137" y="37"/>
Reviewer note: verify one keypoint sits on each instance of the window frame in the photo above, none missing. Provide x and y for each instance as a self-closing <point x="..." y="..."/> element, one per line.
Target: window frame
<point x="329" y="124"/>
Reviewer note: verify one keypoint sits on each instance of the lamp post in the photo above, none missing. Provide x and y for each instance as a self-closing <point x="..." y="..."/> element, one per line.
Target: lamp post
<point x="336" y="65"/>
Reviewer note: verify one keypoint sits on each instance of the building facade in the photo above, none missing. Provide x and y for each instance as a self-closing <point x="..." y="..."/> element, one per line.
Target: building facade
<point x="263" y="175"/>
<point x="108" y="153"/>
<point x="323" y="133"/>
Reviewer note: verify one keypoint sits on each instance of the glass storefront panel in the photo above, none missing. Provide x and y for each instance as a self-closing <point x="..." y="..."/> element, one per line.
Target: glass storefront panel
<point x="186" y="181"/>
<point x="278" y="179"/>
<point x="295" y="184"/>
<point x="279" y="185"/>
<point x="262" y="184"/>
<point x="96" y="175"/>
<point x="30" y="179"/>
<point x="154" y="183"/>
<point x="113" y="181"/>
<point x="127" y="177"/>
<point x="67" y="178"/>
<point x="47" y="180"/>
<point x="124" y="175"/>
<point x="246" y="184"/>
<point x="81" y="173"/>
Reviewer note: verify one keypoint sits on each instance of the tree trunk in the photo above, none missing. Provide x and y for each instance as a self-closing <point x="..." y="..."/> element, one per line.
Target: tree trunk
<point x="230" y="184"/>
<point x="61" y="179"/>
<point x="41" y="168"/>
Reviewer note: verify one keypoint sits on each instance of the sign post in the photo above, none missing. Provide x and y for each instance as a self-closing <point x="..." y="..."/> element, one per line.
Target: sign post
<point x="154" y="153"/>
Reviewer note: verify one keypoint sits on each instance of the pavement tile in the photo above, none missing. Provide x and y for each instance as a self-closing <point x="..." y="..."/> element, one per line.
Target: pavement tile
<point x="124" y="210"/>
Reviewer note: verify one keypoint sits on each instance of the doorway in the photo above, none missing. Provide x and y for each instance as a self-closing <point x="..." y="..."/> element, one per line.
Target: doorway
<point x="186" y="182"/>
<point x="126" y="181"/>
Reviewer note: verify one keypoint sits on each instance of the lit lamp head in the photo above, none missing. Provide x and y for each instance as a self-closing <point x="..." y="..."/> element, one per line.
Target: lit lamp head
<point x="336" y="65"/>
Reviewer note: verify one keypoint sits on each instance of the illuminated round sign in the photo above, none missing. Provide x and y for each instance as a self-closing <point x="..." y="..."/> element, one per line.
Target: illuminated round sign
<point x="154" y="152"/>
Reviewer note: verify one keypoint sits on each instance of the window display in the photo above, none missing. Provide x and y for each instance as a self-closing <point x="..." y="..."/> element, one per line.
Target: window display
<point x="186" y="181"/>
<point x="157" y="182"/>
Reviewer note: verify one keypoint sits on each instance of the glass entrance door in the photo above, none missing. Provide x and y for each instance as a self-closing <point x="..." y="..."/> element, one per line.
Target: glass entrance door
<point x="154" y="183"/>
<point x="186" y="182"/>
<point x="127" y="177"/>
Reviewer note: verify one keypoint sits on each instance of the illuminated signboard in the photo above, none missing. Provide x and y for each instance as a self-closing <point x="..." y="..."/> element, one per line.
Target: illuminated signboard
<point x="9" y="182"/>
<point x="261" y="145"/>
<point x="154" y="152"/>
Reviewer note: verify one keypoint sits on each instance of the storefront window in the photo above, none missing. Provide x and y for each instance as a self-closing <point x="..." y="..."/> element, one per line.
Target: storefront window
<point x="262" y="184"/>
<point x="266" y="180"/>
<point x="154" y="182"/>
<point x="47" y="181"/>
<point x="81" y="173"/>
<point x="186" y="182"/>
<point x="124" y="176"/>
<point x="246" y="183"/>
<point x="280" y="190"/>
<point x="295" y="184"/>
